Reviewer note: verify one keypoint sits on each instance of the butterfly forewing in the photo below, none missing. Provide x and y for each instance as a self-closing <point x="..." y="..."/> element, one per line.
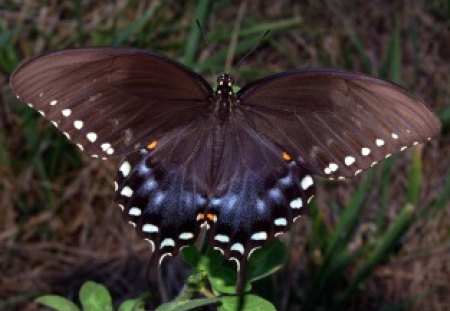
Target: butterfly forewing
<point x="111" y="101"/>
<point x="337" y="123"/>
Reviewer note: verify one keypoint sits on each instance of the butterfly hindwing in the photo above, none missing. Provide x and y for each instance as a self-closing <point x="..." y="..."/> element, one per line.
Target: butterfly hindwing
<point x="108" y="101"/>
<point x="260" y="190"/>
<point x="161" y="188"/>
<point x="338" y="123"/>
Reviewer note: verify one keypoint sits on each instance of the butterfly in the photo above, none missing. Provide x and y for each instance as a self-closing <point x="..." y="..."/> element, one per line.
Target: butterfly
<point x="240" y="164"/>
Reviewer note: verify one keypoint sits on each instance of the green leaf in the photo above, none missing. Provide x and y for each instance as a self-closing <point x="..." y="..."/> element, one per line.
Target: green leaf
<point x="250" y="303"/>
<point x="187" y="305"/>
<point x="136" y="304"/>
<point x="266" y="260"/>
<point x="57" y="302"/>
<point x="95" y="297"/>
<point x="221" y="274"/>
<point x="191" y="255"/>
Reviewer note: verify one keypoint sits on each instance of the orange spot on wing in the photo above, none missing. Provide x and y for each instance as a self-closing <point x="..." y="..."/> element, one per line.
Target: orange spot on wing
<point x="211" y="217"/>
<point x="286" y="156"/>
<point x="152" y="145"/>
<point x="200" y="217"/>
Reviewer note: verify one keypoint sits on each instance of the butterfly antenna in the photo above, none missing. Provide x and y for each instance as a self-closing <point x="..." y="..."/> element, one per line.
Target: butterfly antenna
<point x="202" y="32"/>
<point x="250" y="52"/>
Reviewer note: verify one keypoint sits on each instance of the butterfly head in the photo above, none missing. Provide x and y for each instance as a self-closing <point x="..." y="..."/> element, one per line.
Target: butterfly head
<point x="225" y="85"/>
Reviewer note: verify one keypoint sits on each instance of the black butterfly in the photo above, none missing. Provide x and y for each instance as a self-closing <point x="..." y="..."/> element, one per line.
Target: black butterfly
<point x="239" y="164"/>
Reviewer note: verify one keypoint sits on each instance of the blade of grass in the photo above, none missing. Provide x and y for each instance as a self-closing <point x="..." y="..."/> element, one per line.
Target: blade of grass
<point x="441" y="200"/>
<point x="385" y="184"/>
<point x="353" y="36"/>
<point x="340" y="236"/>
<point x="8" y="56"/>
<point x="79" y="19"/>
<point x="444" y="116"/>
<point x="381" y="250"/>
<point x="349" y="218"/>
<point x="256" y="30"/>
<point x="415" y="178"/>
<point x="137" y="24"/>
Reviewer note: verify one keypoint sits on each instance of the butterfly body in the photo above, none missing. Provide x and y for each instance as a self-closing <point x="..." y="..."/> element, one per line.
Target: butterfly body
<point x="240" y="164"/>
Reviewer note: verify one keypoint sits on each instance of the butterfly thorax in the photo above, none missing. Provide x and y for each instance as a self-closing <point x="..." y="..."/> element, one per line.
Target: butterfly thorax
<point x="224" y="98"/>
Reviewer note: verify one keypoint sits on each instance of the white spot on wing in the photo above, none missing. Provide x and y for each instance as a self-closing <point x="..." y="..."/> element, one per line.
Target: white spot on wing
<point x="41" y="113"/>
<point x="222" y="238"/>
<point x="297" y="203"/>
<point x="105" y="146"/>
<point x="365" y="151"/>
<point x="357" y="172"/>
<point x="66" y="112"/>
<point x="125" y="168"/>
<point x="259" y="236"/>
<point x="78" y="124"/>
<point x="379" y="142"/>
<point x="238" y="247"/>
<point x="403" y="148"/>
<point x="150" y="228"/>
<point x="167" y="242"/>
<point x="349" y="160"/>
<point x="307" y="182"/>
<point x="80" y="146"/>
<point x="53" y="102"/>
<point x="186" y="236"/>
<point x="281" y="221"/>
<point x="91" y="136"/>
<point x="126" y="192"/>
<point x="110" y="151"/>
<point x="394" y="136"/>
<point x="135" y="211"/>
<point x="67" y="135"/>
<point x="333" y="167"/>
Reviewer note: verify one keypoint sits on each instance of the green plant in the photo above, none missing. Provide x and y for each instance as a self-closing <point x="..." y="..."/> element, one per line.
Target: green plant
<point x="212" y="277"/>
<point x="93" y="297"/>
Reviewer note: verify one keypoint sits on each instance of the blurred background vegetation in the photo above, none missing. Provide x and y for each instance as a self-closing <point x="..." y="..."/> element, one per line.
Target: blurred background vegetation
<point x="378" y="242"/>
